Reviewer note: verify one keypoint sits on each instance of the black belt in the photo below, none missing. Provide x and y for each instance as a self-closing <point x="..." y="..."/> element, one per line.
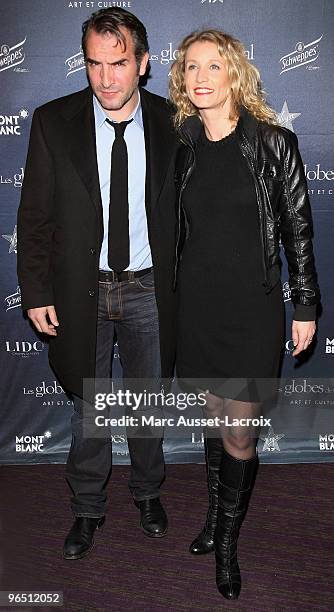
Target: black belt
<point x="127" y="275"/>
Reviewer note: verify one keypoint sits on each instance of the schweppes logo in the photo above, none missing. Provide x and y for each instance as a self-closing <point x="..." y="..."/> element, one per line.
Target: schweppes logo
<point x="12" y="56"/>
<point x="302" y="55"/>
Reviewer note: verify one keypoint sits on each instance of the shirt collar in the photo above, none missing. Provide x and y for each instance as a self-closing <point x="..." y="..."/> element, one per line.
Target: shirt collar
<point x="101" y="115"/>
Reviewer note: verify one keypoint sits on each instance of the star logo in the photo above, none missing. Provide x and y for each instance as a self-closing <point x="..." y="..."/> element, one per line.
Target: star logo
<point x="271" y="440"/>
<point x="212" y="1"/>
<point x="23" y="113"/>
<point x="47" y="434"/>
<point x="285" y="118"/>
<point x="12" y="239"/>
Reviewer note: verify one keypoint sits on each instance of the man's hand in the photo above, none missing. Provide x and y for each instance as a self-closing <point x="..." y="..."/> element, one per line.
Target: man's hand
<point x="39" y="318"/>
<point x="302" y="335"/>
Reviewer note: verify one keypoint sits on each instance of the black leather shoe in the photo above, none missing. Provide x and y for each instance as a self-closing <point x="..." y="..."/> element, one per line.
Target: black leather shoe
<point x="153" y="518"/>
<point x="80" y="537"/>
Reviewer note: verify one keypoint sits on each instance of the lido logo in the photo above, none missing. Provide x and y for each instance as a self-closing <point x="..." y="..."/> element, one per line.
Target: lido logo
<point x="198" y="440"/>
<point x="23" y="348"/>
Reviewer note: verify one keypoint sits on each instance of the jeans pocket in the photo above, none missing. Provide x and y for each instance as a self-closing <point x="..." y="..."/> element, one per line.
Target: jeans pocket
<point x="146" y="281"/>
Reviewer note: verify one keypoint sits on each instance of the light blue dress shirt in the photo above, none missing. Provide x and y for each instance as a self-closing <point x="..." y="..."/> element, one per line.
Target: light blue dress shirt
<point x="140" y="252"/>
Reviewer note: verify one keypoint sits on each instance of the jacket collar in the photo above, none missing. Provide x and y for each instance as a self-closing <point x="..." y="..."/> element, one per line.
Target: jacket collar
<point x="190" y="129"/>
<point x="75" y="103"/>
<point x="78" y="110"/>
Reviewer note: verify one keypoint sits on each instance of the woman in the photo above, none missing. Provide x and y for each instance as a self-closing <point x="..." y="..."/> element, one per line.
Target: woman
<point x="240" y="188"/>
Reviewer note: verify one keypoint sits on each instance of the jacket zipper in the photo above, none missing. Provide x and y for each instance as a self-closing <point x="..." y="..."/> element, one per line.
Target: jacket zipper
<point x="248" y="156"/>
<point x="183" y="186"/>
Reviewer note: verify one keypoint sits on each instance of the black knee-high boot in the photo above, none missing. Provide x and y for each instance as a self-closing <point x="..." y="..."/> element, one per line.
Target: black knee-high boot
<point x="236" y="482"/>
<point x="203" y="543"/>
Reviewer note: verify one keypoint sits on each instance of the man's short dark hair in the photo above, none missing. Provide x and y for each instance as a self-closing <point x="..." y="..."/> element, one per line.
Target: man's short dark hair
<point x="110" y="20"/>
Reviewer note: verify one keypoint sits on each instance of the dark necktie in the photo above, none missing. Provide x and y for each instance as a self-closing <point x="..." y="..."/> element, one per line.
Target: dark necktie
<point x="118" y="230"/>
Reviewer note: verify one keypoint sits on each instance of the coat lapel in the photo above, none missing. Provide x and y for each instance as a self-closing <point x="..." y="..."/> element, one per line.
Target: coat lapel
<point x="159" y="144"/>
<point x="83" y="147"/>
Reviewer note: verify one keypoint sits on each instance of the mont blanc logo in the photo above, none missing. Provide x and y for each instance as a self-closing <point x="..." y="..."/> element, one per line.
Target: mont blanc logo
<point x="12" y="56"/>
<point x="212" y="1"/>
<point x="301" y="55"/>
<point x="286" y="292"/>
<point x="31" y="443"/>
<point x="330" y="346"/>
<point x="285" y="118"/>
<point x="326" y="442"/>
<point x="16" y="180"/>
<point x="12" y="239"/>
<point x="74" y="63"/>
<point x="271" y="441"/>
<point x="11" y="125"/>
<point x="13" y="300"/>
<point x="24" y="348"/>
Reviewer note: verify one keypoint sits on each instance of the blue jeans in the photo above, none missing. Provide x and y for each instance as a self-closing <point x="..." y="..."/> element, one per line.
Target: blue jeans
<point x="127" y="311"/>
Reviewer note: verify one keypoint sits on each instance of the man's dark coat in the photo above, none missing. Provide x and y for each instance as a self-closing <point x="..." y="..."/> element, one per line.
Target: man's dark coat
<point x="60" y="227"/>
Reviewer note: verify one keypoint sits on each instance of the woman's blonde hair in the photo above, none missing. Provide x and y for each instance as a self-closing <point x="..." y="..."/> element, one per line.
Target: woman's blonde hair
<point x="245" y="80"/>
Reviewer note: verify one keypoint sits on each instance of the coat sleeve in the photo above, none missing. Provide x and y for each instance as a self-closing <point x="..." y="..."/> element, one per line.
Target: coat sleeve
<point x="296" y="233"/>
<point x="35" y="225"/>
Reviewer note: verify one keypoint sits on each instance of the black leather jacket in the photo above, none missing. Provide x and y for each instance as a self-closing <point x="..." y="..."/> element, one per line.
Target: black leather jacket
<point x="283" y="204"/>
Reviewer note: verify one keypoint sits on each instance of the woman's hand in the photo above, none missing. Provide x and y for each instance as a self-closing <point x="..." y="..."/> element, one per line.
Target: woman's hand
<point x="302" y="335"/>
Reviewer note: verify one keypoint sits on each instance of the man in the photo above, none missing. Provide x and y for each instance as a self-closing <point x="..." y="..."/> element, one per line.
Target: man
<point x="88" y="235"/>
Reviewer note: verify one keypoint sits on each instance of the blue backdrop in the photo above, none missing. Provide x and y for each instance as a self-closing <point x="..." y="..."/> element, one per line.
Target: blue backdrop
<point x="40" y="59"/>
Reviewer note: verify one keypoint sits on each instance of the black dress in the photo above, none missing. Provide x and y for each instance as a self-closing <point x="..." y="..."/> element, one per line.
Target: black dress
<point x="228" y="327"/>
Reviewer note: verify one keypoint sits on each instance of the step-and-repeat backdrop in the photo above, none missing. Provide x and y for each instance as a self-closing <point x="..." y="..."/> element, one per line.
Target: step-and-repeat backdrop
<point x="291" y="42"/>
